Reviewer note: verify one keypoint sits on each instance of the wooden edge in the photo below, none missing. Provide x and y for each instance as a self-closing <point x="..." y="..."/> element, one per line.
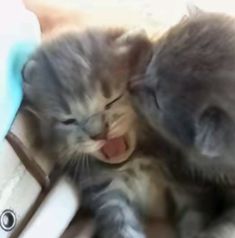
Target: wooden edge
<point x="27" y="159"/>
<point x="20" y="227"/>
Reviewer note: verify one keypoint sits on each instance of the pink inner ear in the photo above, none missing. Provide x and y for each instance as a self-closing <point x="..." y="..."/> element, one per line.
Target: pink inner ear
<point x="114" y="147"/>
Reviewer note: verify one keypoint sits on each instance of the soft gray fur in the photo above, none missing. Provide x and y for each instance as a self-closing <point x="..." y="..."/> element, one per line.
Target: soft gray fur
<point x="75" y="86"/>
<point x="188" y="95"/>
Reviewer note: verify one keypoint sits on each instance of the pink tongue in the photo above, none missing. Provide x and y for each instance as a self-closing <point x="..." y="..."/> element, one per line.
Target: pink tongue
<point x="114" y="147"/>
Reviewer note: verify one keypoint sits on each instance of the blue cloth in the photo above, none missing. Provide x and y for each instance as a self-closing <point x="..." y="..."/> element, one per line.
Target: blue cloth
<point x="11" y="88"/>
<point x="17" y="42"/>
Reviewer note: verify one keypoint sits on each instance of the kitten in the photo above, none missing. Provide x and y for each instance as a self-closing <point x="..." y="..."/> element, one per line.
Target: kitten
<point x="187" y="95"/>
<point x="76" y="88"/>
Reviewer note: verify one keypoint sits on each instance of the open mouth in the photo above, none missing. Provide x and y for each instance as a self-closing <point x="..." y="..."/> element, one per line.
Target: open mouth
<point x="117" y="150"/>
<point x="114" y="147"/>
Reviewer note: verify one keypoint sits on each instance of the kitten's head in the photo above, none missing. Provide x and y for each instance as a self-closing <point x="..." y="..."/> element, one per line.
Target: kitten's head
<point x="188" y="92"/>
<point x="75" y="86"/>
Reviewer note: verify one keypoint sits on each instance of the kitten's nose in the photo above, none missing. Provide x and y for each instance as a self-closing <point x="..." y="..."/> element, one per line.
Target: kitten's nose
<point x="97" y="127"/>
<point x="102" y="135"/>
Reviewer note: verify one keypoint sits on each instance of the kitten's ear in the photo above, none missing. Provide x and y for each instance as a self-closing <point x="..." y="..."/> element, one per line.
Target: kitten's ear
<point x="213" y="132"/>
<point x="27" y="74"/>
<point x="135" y="48"/>
<point x="28" y="70"/>
<point x="193" y="10"/>
<point x="26" y="107"/>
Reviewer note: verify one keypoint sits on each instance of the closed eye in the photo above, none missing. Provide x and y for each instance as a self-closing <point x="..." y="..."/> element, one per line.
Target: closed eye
<point x="113" y="101"/>
<point x="69" y="121"/>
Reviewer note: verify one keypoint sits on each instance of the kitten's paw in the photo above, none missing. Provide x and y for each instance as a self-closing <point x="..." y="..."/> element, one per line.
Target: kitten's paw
<point x="133" y="35"/>
<point x="122" y="233"/>
<point x="206" y="235"/>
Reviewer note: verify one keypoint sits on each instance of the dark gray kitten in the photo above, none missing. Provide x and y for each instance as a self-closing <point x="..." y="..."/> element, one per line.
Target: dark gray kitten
<point x="188" y="95"/>
<point x="75" y="86"/>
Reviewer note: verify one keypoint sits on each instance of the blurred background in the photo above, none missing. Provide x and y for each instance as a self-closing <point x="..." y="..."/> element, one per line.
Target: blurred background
<point x="153" y="15"/>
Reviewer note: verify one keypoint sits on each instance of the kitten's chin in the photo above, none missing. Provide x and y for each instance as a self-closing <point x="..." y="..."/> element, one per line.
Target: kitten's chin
<point x="117" y="150"/>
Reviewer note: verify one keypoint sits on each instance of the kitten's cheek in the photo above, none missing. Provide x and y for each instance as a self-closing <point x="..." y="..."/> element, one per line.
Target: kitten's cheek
<point x="122" y="126"/>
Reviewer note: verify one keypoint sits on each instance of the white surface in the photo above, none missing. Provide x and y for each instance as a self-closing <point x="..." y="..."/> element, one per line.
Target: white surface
<point x="18" y="27"/>
<point x="26" y="134"/>
<point x="18" y="189"/>
<point x="55" y="213"/>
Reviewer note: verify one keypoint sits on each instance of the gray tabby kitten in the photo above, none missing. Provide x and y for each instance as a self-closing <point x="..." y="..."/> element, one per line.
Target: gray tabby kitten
<point x="188" y="95"/>
<point x="75" y="86"/>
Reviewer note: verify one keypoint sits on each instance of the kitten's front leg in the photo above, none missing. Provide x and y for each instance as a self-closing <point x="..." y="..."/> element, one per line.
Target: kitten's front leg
<point x="115" y="217"/>
<point x="224" y="227"/>
<point x="191" y="224"/>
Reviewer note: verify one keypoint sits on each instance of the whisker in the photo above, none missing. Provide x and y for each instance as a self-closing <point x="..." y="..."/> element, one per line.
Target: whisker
<point x="90" y="170"/>
<point x="140" y="76"/>
<point x="76" y="167"/>
<point x="140" y="81"/>
<point x="87" y="167"/>
<point x="84" y="164"/>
